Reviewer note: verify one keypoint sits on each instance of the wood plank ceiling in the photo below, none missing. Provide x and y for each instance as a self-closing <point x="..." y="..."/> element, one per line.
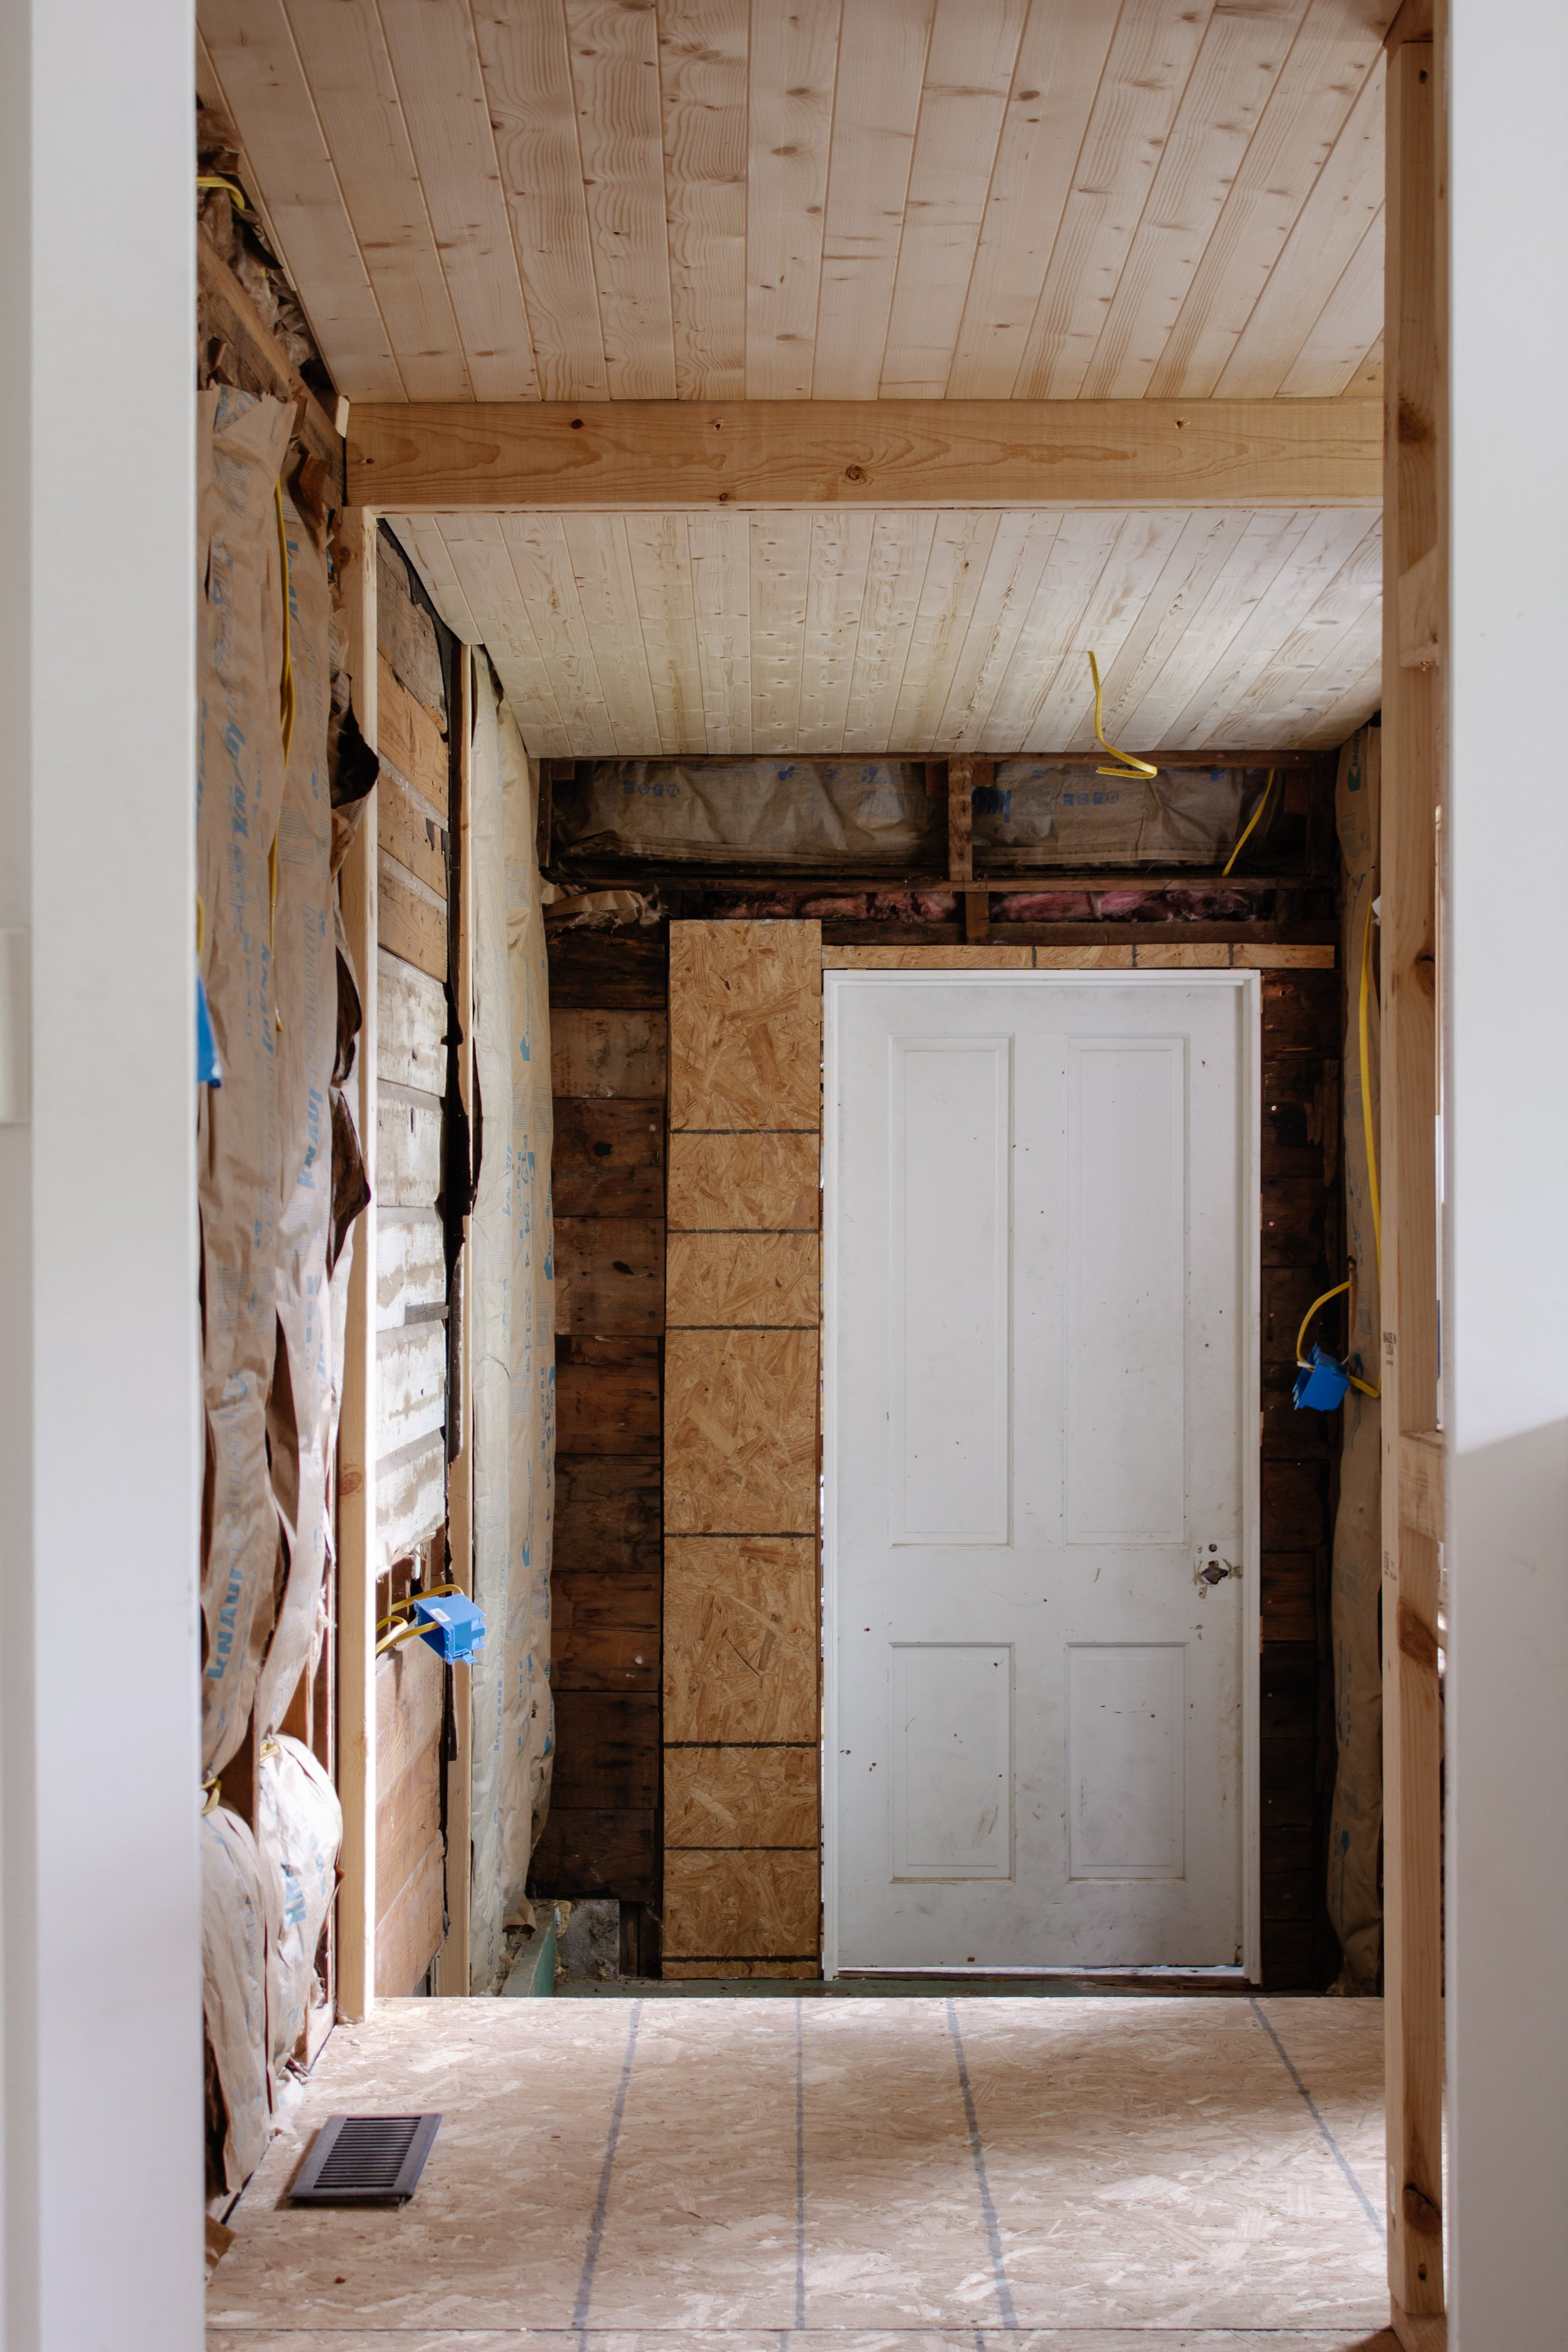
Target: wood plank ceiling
<point x="824" y="199"/>
<point x="850" y="199"/>
<point x="925" y="632"/>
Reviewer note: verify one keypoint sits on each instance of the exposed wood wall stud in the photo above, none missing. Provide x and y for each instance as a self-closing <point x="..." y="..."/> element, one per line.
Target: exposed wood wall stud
<point x="356" y="1911"/>
<point x="452" y="1971"/>
<point x="1412" y="757"/>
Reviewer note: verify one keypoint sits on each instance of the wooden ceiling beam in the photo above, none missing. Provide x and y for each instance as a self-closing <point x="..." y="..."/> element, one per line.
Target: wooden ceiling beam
<point x="613" y="457"/>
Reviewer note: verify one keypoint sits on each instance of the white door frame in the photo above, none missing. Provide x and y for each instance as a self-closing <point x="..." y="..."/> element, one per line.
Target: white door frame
<point x="835" y="984"/>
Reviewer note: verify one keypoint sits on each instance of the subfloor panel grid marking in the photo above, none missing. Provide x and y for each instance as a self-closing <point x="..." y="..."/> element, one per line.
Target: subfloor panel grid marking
<point x="919" y="2170"/>
<point x="1001" y="2286"/>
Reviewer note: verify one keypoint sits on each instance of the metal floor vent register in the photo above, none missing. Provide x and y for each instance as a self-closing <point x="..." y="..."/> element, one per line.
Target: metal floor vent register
<point x="365" y="2160"/>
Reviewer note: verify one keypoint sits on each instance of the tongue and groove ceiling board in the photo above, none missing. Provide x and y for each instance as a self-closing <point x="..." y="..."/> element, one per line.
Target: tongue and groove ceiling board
<point x="832" y="199"/>
<point x="853" y="632"/>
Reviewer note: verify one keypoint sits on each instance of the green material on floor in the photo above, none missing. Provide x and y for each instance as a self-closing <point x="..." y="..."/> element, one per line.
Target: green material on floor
<point x="534" y="1977"/>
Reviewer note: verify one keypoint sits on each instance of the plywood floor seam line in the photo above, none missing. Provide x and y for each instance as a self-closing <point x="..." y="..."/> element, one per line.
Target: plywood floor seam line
<point x="1359" y="2193"/>
<point x="1000" y="2282"/>
<point x="799" y="2164"/>
<point x="584" y="2295"/>
<point x="855" y="2176"/>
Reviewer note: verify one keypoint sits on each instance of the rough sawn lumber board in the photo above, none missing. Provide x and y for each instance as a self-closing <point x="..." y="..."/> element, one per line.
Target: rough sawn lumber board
<point x="448" y="456"/>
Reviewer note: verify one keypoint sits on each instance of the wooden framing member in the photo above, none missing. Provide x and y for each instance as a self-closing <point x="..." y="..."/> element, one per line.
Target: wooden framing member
<point x="357" y="1423"/>
<point x="965" y="775"/>
<point x="452" y="1961"/>
<point x="1232" y="756"/>
<point x="610" y="456"/>
<point x="1414" y="599"/>
<point x="224" y="308"/>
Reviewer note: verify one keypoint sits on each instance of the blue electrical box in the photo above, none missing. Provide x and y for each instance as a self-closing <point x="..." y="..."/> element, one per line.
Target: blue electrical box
<point x="452" y="1626"/>
<point x="1321" y="1385"/>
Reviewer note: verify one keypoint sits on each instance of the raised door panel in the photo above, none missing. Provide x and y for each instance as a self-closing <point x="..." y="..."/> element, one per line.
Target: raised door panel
<point x="1126" y="1306"/>
<point x="949" y="1114"/>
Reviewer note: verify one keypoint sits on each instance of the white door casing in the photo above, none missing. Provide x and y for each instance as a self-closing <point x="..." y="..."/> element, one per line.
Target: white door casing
<point x="1040" y="1407"/>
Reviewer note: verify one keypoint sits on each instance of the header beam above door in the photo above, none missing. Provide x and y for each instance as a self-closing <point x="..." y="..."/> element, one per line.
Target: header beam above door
<point x="448" y="456"/>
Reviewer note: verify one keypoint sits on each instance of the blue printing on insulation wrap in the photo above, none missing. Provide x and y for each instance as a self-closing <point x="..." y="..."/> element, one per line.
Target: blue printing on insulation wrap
<point x="210" y="1071"/>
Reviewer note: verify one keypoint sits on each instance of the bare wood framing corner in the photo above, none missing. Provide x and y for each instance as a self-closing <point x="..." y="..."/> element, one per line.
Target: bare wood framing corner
<point x="445" y="456"/>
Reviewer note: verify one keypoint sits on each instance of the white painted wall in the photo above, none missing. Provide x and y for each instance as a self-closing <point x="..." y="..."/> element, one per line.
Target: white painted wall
<point x="1508" y="1181"/>
<point x="100" y="1454"/>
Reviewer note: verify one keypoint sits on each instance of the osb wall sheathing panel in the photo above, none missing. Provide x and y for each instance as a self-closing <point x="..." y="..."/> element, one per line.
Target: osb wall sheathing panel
<point x="742" y="1313"/>
<point x="740" y="1432"/>
<point x="745" y="1023"/>
<point x="742" y="1280"/>
<point x="747" y="1906"/>
<point x="740" y="1797"/>
<point x="740" y="1639"/>
<point x="745" y="1183"/>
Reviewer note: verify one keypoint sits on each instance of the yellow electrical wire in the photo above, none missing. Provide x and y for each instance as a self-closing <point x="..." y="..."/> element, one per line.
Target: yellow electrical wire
<point x="1132" y="770"/>
<point x="285" y="718"/>
<point x="285" y="691"/>
<point x="1366" y="1093"/>
<point x="1257" y="812"/>
<point x="231" y="187"/>
<point x="1349" y="1284"/>
<point x="430" y="1594"/>
<point x="396" y="1640"/>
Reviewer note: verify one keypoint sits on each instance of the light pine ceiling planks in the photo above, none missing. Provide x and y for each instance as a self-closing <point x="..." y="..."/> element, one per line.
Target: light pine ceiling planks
<point x="856" y="633"/>
<point x="832" y="199"/>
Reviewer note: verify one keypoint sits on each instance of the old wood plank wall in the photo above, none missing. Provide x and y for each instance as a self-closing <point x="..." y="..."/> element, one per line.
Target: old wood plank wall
<point x="1300" y="1245"/>
<point x="607" y="1038"/>
<point x="741" y="1832"/>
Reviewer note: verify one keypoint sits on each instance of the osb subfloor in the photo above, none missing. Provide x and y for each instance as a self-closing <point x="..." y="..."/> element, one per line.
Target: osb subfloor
<point x="1151" y="2175"/>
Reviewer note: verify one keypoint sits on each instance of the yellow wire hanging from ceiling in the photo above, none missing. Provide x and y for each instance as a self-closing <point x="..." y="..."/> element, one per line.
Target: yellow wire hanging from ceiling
<point x="1132" y="770"/>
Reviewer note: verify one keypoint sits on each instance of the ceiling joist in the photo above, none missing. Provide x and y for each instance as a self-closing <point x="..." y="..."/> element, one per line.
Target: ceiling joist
<point x="623" y="457"/>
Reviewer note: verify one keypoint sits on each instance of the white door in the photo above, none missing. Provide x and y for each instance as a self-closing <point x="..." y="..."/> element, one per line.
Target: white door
<point x="1041" y="1422"/>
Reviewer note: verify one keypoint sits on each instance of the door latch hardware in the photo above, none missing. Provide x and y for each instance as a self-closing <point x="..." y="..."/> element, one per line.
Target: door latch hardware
<point x="1209" y="1568"/>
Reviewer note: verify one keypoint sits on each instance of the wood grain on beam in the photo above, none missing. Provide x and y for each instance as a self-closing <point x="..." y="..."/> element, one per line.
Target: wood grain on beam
<point x="445" y="456"/>
<point x="1415" y="344"/>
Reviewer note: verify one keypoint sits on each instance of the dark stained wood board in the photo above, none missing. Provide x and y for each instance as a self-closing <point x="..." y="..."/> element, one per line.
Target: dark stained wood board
<point x="602" y="1834"/>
